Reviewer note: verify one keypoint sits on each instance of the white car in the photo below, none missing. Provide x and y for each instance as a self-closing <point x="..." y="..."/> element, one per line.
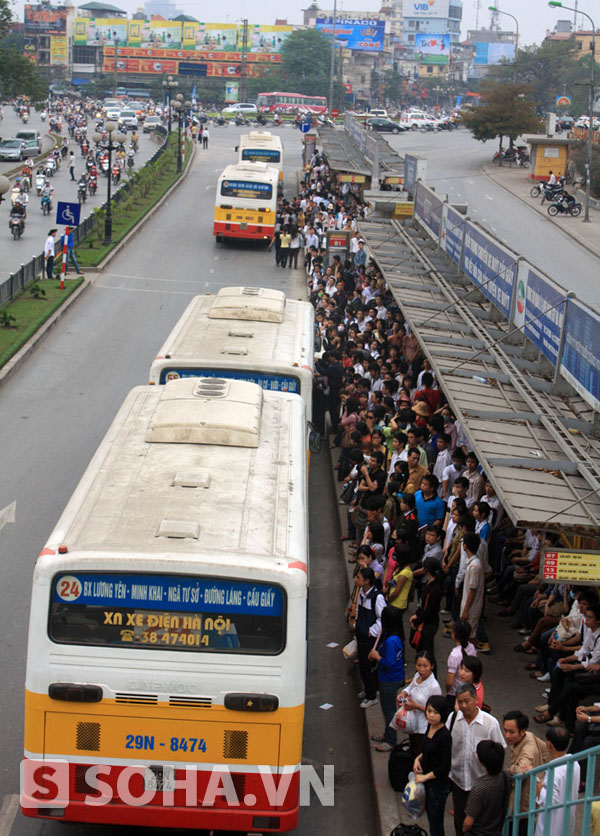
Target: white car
<point x="241" y="109"/>
<point x="379" y="112"/>
<point x="128" y="120"/>
<point x="113" y="112"/>
<point x="417" y="119"/>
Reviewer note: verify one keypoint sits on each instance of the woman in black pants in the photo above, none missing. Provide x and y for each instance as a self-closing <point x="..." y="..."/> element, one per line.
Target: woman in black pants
<point x="427" y="617"/>
<point x="432" y="766"/>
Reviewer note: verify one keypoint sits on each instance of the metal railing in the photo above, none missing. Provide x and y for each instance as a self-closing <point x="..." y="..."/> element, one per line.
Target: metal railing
<point x="30" y="271"/>
<point x="565" y="810"/>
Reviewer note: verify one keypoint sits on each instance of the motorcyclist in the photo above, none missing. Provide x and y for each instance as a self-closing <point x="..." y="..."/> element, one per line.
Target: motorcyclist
<point x="17" y="211"/>
<point x="135" y="141"/>
<point x="26" y="173"/>
<point x="22" y="198"/>
<point x="40" y="179"/>
<point x="82" y="184"/>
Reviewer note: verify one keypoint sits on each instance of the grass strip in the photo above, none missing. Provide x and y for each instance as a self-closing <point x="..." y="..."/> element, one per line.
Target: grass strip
<point x="30" y="313"/>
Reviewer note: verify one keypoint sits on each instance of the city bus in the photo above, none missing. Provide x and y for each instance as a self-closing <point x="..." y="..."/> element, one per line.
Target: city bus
<point x="246" y="333"/>
<point x="166" y="659"/>
<point x="262" y="147"/>
<point x="291" y="103"/>
<point x="246" y="202"/>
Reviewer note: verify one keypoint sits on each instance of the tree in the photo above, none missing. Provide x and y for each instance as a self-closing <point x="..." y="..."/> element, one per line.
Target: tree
<point x="578" y="157"/>
<point x="19" y="76"/>
<point x="504" y="110"/>
<point x="305" y="63"/>
<point x="5" y="18"/>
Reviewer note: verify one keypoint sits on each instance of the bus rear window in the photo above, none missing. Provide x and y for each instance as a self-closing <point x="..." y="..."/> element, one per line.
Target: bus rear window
<point x="243" y="188"/>
<point x="261" y="155"/>
<point x="167" y="612"/>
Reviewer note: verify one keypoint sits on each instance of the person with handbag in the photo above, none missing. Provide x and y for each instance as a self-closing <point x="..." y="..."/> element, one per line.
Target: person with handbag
<point x="432" y="766"/>
<point x="413" y="700"/>
<point x="426" y="620"/>
<point x="389" y="656"/>
<point x="369" y="606"/>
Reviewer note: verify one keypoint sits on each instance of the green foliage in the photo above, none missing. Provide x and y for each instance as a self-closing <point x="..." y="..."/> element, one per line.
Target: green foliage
<point x="6" y="319"/>
<point x="5" y="18"/>
<point x="36" y="291"/>
<point x="578" y="158"/>
<point x="19" y="76"/>
<point x="305" y="63"/>
<point x="504" y="110"/>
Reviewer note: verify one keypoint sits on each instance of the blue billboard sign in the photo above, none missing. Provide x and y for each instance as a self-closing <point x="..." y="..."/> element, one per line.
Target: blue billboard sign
<point x="490" y="266"/>
<point x="580" y="360"/>
<point x="359" y="34"/>
<point x="453" y="230"/>
<point x="538" y="310"/>
<point x="428" y="210"/>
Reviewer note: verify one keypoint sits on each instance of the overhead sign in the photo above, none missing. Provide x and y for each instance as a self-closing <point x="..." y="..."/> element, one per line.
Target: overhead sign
<point x="426" y="8"/>
<point x="265" y="38"/>
<point x="453" y="230"/>
<point x="580" y="361"/>
<point x="571" y="566"/>
<point x="359" y="34"/>
<point x="536" y="311"/>
<point x="67" y="214"/>
<point x="432" y="44"/>
<point x="490" y="266"/>
<point x="45" y="19"/>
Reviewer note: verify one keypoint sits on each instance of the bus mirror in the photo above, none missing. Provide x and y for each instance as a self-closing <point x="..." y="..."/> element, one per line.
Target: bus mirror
<point x="314" y="441"/>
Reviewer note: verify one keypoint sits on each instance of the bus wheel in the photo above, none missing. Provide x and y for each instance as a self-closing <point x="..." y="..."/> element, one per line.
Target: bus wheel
<point x="219" y="239"/>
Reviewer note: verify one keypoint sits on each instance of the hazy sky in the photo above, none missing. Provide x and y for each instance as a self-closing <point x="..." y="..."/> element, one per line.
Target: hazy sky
<point x="534" y="16"/>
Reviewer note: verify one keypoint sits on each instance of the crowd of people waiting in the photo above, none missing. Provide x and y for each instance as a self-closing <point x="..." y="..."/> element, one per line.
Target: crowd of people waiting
<point x="425" y="524"/>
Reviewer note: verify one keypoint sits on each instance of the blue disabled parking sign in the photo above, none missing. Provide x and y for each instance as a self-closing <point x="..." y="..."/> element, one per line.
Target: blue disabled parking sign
<point x="67" y="214"/>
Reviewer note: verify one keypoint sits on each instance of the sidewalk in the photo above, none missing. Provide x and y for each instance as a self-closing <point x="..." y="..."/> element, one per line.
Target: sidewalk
<point x="516" y="181"/>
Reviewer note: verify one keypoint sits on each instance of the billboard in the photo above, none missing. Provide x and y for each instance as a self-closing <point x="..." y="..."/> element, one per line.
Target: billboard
<point x="432" y="44"/>
<point x="580" y="360"/>
<point x="208" y="36"/>
<point x="538" y="310"/>
<point x="161" y="34"/>
<point x="453" y="229"/>
<point x="58" y="49"/>
<point x="425" y="8"/>
<point x="486" y="54"/>
<point x="359" y="34"/>
<point x="90" y="31"/>
<point x="45" y="20"/>
<point x="262" y="38"/>
<point x="428" y="210"/>
<point x="490" y="266"/>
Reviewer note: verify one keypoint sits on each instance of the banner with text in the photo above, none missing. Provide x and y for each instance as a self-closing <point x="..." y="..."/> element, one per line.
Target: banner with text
<point x="538" y="310"/>
<point x="428" y="210"/>
<point x="580" y="360"/>
<point x="359" y="34"/>
<point x="453" y="230"/>
<point x="489" y="265"/>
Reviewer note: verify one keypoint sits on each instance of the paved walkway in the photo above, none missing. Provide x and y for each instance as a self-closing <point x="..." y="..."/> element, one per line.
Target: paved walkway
<point x="516" y="181"/>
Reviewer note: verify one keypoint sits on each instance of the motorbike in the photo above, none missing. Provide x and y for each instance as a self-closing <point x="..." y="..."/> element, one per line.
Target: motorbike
<point x="537" y="190"/>
<point x="552" y="194"/>
<point x="566" y="206"/>
<point x="93" y="185"/>
<point x="130" y="162"/>
<point x="46" y="204"/>
<point x="16" y="225"/>
<point x="50" y="167"/>
<point x="116" y="175"/>
<point x="82" y="191"/>
<point x="26" y="182"/>
<point x="25" y="118"/>
<point x="43" y="115"/>
<point x="40" y="179"/>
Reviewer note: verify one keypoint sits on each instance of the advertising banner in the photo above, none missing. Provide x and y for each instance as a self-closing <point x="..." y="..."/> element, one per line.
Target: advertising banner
<point x="161" y="34"/>
<point x="490" y="266"/>
<point x="486" y="53"/>
<point x="216" y="36"/>
<point x="359" y="34"/>
<point x="453" y="230"/>
<point x="189" y="32"/>
<point x="432" y="44"/>
<point x="44" y="20"/>
<point x="426" y="8"/>
<point x="428" y="210"/>
<point x="134" y="33"/>
<point x="58" y="49"/>
<point x="153" y="66"/>
<point x="98" y="31"/>
<point x="535" y="311"/>
<point x="264" y="38"/>
<point x="229" y="57"/>
<point x="232" y="91"/>
<point x="580" y="360"/>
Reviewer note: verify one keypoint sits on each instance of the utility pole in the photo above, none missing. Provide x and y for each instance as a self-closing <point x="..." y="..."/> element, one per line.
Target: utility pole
<point x="332" y="68"/>
<point x="244" y="63"/>
<point x="116" y="68"/>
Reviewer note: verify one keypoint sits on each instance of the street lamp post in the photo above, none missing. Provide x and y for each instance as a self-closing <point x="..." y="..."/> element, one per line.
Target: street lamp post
<point x="181" y="108"/>
<point x="168" y="86"/>
<point x="588" y="185"/>
<point x="507" y="14"/>
<point x="110" y="144"/>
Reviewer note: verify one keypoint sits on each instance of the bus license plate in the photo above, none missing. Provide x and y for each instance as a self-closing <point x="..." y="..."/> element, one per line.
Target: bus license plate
<point x="159" y="778"/>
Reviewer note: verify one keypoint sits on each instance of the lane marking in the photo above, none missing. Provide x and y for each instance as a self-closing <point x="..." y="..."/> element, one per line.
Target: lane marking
<point x="142" y="290"/>
<point x="8" y="813"/>
<point x="470" y="181"/>
<point x="488" y="197"/>
<point x="147" y="278"/>
<point x="212" y="270"/>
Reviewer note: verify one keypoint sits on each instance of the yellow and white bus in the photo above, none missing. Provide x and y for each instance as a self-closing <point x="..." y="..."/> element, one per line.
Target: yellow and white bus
<point x="167" y="638"/>
<point x="246" y="333"/>
<point x="262" y="147"/>
<point x="246" y="202"/>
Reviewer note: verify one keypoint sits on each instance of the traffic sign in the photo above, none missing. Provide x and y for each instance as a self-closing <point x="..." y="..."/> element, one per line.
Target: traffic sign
<point x="335" y="112"/>
<point x="67" y="214"/>
<point x="304" y="127"/>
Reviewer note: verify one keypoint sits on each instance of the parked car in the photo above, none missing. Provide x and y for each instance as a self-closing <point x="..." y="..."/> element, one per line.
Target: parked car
<point x="240" y="109"/>
<point x="384" y="125"/>
<point x="566" y="122"/>
<point x="32" y="142"/>
<point x="150" y="123"/>
<point x="12" y="149"/>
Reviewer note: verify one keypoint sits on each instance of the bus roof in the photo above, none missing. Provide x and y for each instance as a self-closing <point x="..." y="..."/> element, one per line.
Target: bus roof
<point x="252" y="172"/>
<point x="170" y="480"/>
<point x="260" y="139"/>
<point x="271" y="329"/>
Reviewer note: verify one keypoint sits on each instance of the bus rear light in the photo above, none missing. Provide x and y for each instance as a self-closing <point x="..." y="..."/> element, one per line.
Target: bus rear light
<point x="251" y="702"/>
<point x="63" y="549"/>
<point x="71" y="692"/>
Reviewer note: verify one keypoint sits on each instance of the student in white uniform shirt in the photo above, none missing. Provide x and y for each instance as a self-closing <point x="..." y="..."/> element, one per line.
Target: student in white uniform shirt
<point x="557" y="743"/>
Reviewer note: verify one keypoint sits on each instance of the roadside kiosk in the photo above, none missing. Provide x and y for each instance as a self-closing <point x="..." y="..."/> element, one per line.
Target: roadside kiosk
<point x="547" y="153"/>
<point x="337" y="242"/>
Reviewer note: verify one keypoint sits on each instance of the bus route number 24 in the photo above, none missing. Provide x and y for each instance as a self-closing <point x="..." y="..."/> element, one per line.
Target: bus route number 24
<point x="176" y="744"/>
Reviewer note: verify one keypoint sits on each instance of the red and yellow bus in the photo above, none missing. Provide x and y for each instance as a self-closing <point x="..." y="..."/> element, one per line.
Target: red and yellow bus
<point x="291" y="103"/>
<point x="246" y="202"/>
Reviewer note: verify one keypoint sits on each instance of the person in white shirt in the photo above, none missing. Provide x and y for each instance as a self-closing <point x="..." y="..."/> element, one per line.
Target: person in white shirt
<point x="443" y="460"/>
<point x="468" y="726"/>
<point x="557" y="743"/>
<point x="552" y="179"/>
<point x="49" y="253"/>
